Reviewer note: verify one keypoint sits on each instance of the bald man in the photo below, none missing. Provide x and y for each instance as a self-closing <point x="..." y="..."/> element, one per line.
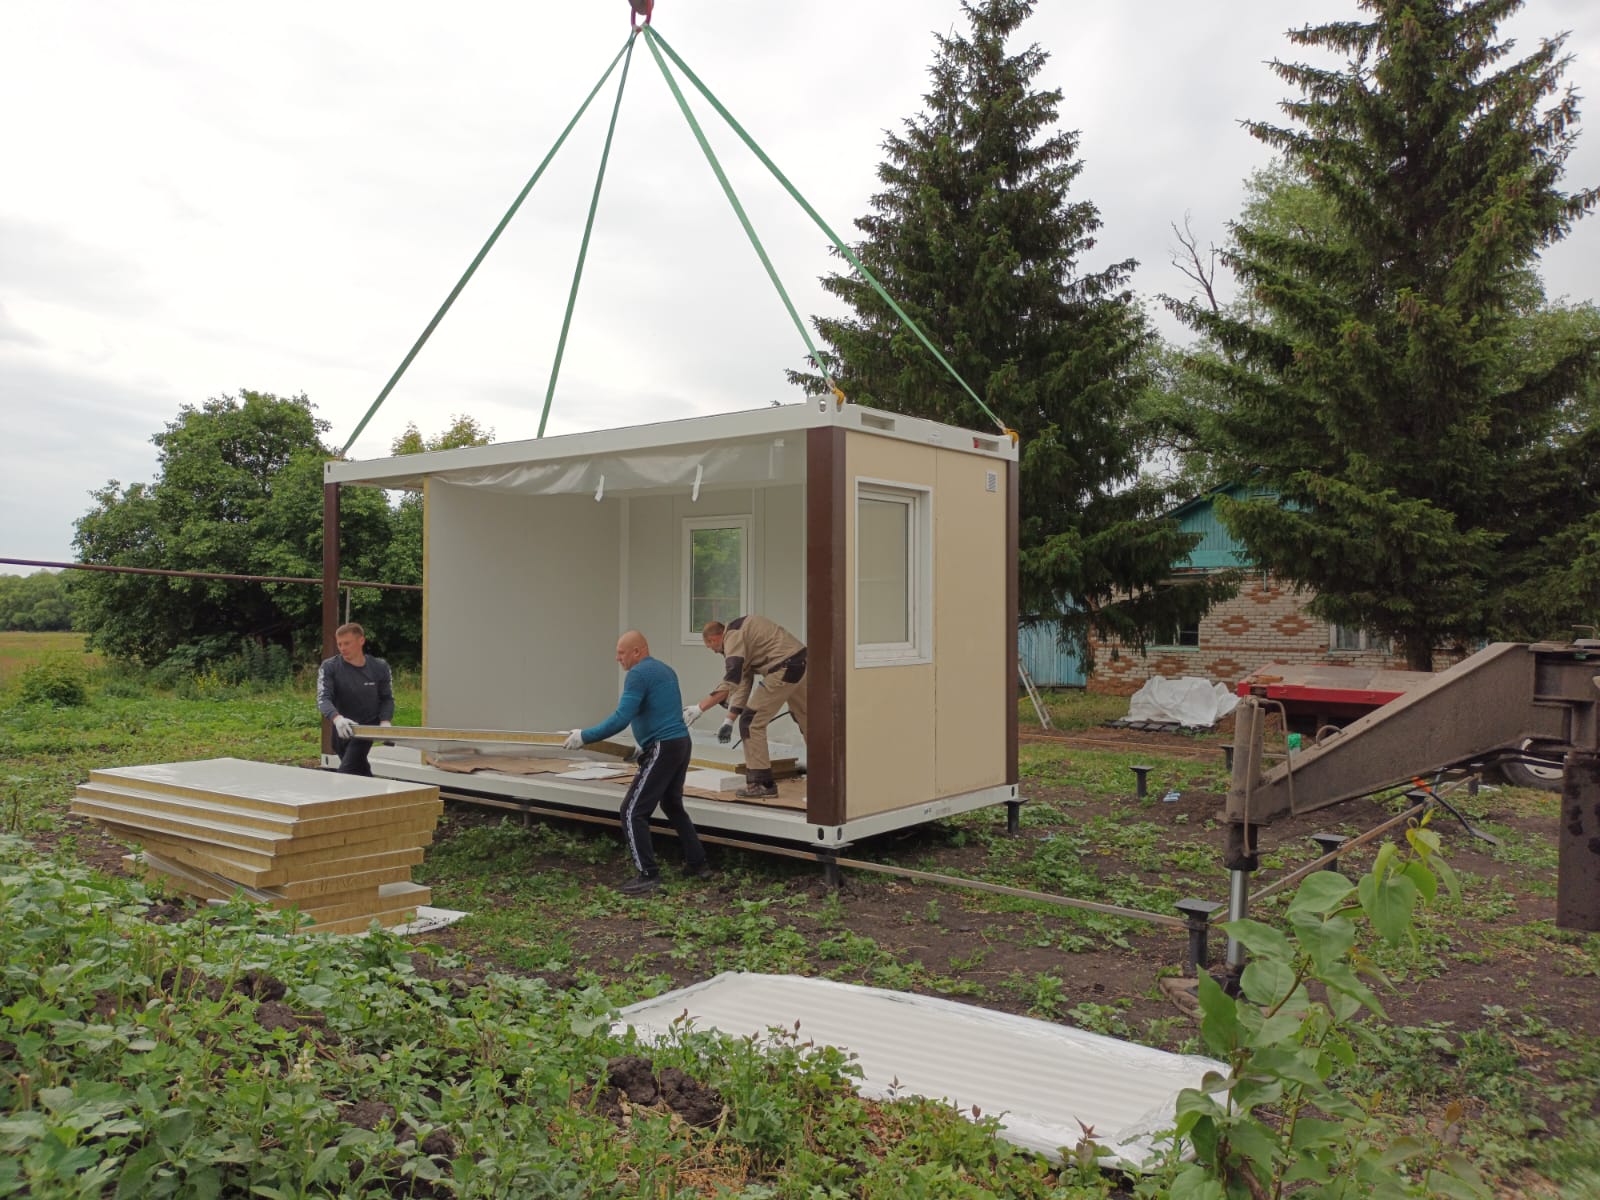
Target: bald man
<point x="653" y="704"/>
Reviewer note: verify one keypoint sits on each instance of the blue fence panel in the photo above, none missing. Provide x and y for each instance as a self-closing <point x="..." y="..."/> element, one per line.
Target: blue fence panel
<point x="1046" y="661"/>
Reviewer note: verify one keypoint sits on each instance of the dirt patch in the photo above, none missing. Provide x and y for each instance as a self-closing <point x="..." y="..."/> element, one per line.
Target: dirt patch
<point x="632" y="1084"/>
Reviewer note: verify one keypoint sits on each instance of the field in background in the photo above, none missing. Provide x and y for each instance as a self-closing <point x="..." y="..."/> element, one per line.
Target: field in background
<point x="17" y="650"/>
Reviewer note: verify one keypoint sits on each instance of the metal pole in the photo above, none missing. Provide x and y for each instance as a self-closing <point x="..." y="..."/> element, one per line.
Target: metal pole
<point x="1578" y="862"/>
<point x="330" y="585"/>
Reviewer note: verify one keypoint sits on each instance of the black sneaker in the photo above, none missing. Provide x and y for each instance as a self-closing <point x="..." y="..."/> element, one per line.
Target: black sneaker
<point x="698" y="871"/>
<point x="641" y="885"/>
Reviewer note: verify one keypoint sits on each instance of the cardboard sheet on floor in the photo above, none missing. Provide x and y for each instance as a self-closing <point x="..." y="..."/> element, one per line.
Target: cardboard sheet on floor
<point x="1040" y="1079"/>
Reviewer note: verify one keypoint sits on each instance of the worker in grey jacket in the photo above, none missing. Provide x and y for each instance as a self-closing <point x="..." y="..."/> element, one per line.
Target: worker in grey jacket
<point x="354" y="688"/>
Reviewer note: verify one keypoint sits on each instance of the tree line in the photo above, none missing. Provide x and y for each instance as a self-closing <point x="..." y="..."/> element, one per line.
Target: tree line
<point x="1372" y="354"/>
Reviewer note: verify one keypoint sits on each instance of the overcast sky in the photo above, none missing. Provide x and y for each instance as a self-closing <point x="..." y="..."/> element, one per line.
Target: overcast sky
<point x="204" y="197"/>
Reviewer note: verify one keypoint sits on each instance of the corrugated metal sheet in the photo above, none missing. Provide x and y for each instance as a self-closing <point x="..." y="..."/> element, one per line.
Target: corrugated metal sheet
<point x="1041" y="1080"/>
<point x="1047" y="663"/>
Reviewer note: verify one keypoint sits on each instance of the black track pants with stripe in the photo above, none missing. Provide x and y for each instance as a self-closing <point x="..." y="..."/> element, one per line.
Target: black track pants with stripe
<point x="662" y="767"/>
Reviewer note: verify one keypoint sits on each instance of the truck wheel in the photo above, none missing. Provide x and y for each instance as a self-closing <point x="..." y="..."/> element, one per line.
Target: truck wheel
<point x="1546" y="777"/>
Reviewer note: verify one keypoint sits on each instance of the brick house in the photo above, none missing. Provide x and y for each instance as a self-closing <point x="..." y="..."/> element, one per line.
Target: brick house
<point x="1265" y="623"/>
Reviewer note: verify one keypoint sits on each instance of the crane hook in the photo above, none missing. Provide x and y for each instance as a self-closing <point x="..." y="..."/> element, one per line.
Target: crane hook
<point x="641" y="8"/>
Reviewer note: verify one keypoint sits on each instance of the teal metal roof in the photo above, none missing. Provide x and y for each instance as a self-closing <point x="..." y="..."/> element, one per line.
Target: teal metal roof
<point x="1217" y="549"/>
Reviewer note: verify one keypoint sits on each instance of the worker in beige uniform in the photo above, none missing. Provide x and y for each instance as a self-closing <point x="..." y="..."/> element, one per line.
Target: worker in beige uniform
<point x="750" y="646"/>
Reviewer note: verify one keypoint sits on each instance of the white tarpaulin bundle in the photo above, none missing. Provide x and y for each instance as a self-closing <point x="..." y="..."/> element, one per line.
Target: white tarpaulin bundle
<point x="1186" y="701"/>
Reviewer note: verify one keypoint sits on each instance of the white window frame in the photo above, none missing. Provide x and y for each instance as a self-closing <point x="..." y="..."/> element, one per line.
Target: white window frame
<point x="1366" y="641"/>
<point x="919" y="574"/>
<point x="745" y="523"/>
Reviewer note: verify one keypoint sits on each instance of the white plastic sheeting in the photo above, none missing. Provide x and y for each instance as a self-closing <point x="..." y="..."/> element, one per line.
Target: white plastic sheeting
<point x="721" y="464"/>
<point x="1187" y="701"/>
<point x="1040" y="1080"/>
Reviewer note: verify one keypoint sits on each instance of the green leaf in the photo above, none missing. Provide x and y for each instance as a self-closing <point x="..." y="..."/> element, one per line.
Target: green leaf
<point x="1256" y="1144"/>
<point x="1263" y="941"/>
<point x="1389" y="903"/>
<point x="1268" y="981"/>
<point x="1345" y="989"/>
<point x="1321" y="892"/>
<point x="1283" y="1027"/>
<point x="1193" y="1183"/>
<point x="1447" y="876"/>
<point x="1426" y="881"/>
<point x="1326" y="941"/>
<point x="1309" y="1133"/>
<point x="1219" y="1018"/>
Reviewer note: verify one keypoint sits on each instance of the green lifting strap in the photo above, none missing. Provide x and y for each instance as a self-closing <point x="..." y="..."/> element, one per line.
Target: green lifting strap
<point x="652" y="38"/>
<point x="588" y="228"/>
<point x="733" y="199"/>
<point x="493" y="237"/>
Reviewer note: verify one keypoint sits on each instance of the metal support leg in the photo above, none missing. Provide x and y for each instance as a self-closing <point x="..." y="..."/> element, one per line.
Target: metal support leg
<point x="1578" y="861"/>
<point x="1197" y="915"/>
<point x="830" y="869"/>
<point x="1327" y="843"/>
<point x="1141" y="785"/>
<point x="1238" y="910"/>
<point x="1013" y="817"/>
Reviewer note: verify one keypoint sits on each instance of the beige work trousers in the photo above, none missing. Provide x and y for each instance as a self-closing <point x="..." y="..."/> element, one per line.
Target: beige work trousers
<point x="765" y="701"/>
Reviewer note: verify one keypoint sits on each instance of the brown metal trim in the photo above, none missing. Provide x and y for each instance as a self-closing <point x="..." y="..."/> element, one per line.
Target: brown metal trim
<point x="827" y="507"/>
<point x="330" y="585"/>
<point x="1013" y="527"/>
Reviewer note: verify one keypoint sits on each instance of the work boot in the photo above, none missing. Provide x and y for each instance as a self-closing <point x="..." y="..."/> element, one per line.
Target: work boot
<point x="698" y="871"/>
<point x="758" y="790"/>
<point x="640" y="885"/>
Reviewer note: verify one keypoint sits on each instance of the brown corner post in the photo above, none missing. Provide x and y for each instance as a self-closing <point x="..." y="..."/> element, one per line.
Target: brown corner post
<point x="330" y="585"/>
<point x="1013" y="529"/>
<point x="827" y="508"/>
<point x="1578" y="856"/>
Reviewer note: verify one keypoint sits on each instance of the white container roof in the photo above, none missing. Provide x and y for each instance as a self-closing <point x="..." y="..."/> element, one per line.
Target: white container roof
<point x="757" y="446"/>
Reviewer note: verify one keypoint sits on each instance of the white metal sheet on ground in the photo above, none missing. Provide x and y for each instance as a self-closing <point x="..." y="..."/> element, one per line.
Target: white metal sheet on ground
<point x="1039" y="1079"/>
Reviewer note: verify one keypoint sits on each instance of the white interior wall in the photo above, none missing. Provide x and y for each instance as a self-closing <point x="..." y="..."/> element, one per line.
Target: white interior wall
<point x="655" y="584"/>
<point x="522" y="612"/>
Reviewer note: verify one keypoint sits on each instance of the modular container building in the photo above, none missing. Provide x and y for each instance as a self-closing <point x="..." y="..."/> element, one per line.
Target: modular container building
<point x="887" y="543"/>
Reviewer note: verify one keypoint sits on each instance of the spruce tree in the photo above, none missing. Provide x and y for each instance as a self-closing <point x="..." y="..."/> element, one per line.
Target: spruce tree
<point x="976" y="236"/>
<point x="1417" y="465"/>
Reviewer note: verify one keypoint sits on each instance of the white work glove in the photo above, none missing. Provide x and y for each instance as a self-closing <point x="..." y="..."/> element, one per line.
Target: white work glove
<point x="385" y="722"/>
<point x="574" y="740"/>
<point x="692" y="714"/>
<point x="725" y="733"/>
<point x="344" y="727"/>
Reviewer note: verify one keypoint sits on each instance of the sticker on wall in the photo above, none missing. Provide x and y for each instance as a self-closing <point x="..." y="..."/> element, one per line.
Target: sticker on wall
<point x="991" y="481"/>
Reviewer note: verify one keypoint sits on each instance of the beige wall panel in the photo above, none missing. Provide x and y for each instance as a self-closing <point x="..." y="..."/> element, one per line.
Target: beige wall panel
<point x="973" y="681"/>
<point x="889" y="747"/>
<point x="522" y="608"/>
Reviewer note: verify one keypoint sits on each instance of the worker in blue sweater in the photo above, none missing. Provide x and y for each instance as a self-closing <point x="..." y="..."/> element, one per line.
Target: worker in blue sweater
<point x="653" y="704"/>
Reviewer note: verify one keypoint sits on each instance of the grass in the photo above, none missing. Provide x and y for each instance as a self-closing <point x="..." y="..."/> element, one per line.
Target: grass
<point x="540" y="909"/>
<point x="20" y="650"/>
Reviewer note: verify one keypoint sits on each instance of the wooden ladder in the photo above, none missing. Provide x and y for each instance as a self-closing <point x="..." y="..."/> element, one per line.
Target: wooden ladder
<point x="1033" y="693"/>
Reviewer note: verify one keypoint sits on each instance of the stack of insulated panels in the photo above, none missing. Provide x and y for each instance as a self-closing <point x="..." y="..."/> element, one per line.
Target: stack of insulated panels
<point x="339" y="848"/>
